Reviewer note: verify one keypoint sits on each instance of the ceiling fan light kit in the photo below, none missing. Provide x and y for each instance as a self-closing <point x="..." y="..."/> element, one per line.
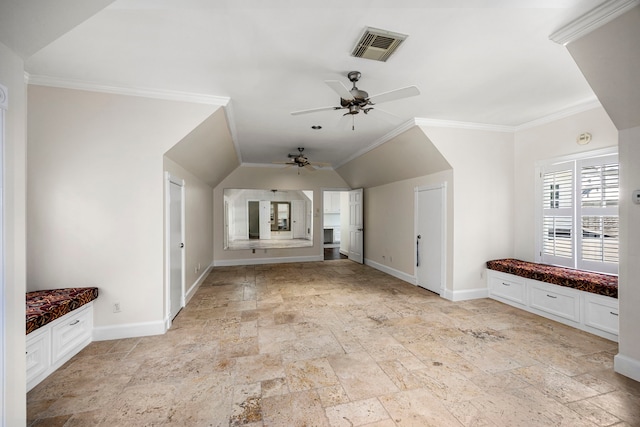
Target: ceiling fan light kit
<point x="301" y="161"/>
<point x="357" y="100"/>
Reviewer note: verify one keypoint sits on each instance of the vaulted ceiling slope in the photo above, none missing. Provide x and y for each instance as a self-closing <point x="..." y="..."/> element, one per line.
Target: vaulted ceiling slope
<point x="610" y="59"/>
<point x="207" y="151"/>
<point x="28" y="26"/>
<point x="492" y="64"/>
<point x="409" y="155"/>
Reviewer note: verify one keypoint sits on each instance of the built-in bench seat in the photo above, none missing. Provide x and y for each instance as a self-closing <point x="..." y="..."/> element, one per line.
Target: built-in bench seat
<point x="582" y="299"/>
<point x="46" y="306"/>
<point x="587" y="281"/>
<point x="59" y="325"/>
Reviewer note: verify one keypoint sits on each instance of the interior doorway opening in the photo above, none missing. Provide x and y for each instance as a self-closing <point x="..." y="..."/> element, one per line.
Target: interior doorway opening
<point x="335" y="212"/>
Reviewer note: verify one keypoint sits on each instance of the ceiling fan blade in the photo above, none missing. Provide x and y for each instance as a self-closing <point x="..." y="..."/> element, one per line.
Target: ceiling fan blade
<point x="404" y="92"/>
<point x="340" y="89"/>
<point x="320" y="164"/>
<point x="384" y="115"/>
<point x="313" y="110"/>
<point x="308" y="166"/>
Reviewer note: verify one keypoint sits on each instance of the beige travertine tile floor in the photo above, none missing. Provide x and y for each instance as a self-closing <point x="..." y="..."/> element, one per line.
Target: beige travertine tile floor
<point x="340" y="344"/>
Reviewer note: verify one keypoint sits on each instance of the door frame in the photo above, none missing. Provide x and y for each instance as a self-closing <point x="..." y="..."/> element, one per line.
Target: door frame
<point x="442" y="186"/>
<point x="4" y="105"/>
<point x="169" y="179"/>
<point x="320" y="210"/>
<point x="359" y="227"/>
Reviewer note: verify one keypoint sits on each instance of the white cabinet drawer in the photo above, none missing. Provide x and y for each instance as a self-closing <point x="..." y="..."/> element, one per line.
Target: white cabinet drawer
<point x="507" y="287"/>
<point x="38" y="356"/>
<point x="72" y="332"/>
<point x="601" y="313"/>
<point x="557" y="301"/>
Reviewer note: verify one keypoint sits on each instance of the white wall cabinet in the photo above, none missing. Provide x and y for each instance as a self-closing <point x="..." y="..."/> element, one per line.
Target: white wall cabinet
<point x="52" y="345"/>
<point x="589" y="312"/>
<point x="331" y="202"/>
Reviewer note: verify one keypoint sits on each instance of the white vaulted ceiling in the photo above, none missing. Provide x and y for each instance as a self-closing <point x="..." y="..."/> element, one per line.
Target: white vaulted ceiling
<point x="491" y="65"/>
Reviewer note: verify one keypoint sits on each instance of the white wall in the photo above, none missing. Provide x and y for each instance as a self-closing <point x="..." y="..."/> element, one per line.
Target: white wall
<point x="482" y="163"/>
<point x="95" y="199"/>
<point x="14" y="169"/>
<point x="272" y="178"/>
<point x="547" y="141"/>
<point x="389" y="217"/>
<point x="628" y="359"/>
<point x="198" y="222"/>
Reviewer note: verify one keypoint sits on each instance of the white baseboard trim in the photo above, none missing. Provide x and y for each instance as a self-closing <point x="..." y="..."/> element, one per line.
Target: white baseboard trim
<point x="391" y="271"/>
<point x="627" y="366"/>
<point x="196" y="285"/>
<point x="465" y="294"/>
<point x="257" y="261"/>
<point x="129" y="330"/>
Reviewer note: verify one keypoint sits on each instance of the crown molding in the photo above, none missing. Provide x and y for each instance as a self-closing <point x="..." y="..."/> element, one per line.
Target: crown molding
<point x="579" y="108"/>
<point x="595" y="18"/>
<point x="280" y="166"/>
<point x="462" y="125"/>
<point x="169" y="95"/>
<point x="262" y="165"/>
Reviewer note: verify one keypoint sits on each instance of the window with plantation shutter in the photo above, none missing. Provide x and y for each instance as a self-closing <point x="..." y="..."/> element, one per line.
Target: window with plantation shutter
<point x="557" y="219"/>
<point x="580" y="227"/>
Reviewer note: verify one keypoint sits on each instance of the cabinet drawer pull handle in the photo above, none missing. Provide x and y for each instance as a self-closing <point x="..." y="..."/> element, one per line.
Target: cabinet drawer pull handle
<point x="506" y="284"/>
<point x="615" y="314"/>
<point x="552" y="296"/>
<point x="75" y="322"/>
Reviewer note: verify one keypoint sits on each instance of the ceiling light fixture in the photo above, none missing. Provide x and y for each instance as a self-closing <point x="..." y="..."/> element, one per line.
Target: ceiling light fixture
<point x="316" y="127"/>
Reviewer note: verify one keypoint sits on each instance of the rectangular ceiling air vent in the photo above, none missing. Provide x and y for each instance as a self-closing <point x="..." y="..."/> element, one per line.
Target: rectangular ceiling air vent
<point x="377" y="44"/>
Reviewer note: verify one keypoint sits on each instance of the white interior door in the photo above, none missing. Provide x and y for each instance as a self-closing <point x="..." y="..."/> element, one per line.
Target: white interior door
<point x="356" y="228"/>
<point x="265" y="220"/>
<point x="298" y="219"/>
<point x="430" y="234"/>
<point x="176" y="249"/>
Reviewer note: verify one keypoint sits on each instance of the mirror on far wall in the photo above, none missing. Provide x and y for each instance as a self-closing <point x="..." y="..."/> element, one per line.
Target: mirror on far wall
<point x="264" y="219"/>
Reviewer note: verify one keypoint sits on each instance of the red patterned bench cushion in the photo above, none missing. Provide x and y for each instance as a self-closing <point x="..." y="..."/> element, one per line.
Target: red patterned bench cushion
<point x="46" y="306"/>
<point x="596" y="283"/>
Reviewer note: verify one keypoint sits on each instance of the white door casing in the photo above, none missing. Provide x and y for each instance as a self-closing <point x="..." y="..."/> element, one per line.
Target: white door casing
<point x="430" y="237"/>
<point x="356" y="226"/>
<point x="175" y="246"/>
<point x="4" y="103"/>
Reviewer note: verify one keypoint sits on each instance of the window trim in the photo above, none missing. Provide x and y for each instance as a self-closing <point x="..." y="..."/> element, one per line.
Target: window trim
<point x="538" y="195"/>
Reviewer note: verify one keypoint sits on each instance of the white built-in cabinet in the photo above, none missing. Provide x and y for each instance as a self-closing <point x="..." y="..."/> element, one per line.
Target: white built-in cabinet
<point x="331" y="202"/>
<point x="53" y="344"/>
<point x="589" y="312"/>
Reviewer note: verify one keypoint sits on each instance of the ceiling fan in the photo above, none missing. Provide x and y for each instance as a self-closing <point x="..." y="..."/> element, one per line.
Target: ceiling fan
<point x="356" y="100"/>
<point x="301" y="161"/>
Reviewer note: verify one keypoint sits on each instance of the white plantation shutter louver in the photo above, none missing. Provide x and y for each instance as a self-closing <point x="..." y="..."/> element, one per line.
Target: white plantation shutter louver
<point x="580" y="227"/>
<point x="598" y="214"/>
<point x="557" y="220"/>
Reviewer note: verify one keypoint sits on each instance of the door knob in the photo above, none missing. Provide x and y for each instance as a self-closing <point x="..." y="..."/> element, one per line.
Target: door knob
<point x="419" y="236"/>
<point x="182" y="245"/>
